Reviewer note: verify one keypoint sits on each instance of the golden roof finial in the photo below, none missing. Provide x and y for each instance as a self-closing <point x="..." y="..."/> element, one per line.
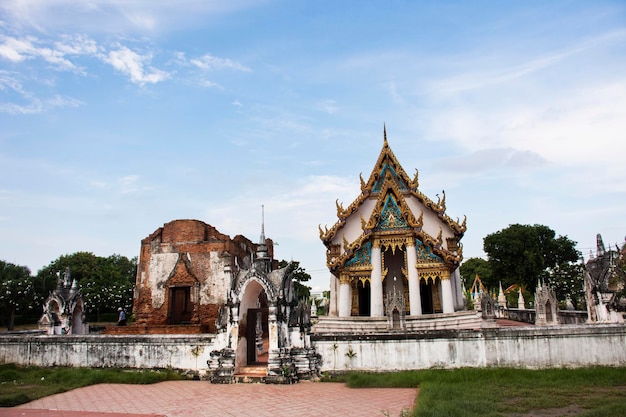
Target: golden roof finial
<point x="385" y="134"/>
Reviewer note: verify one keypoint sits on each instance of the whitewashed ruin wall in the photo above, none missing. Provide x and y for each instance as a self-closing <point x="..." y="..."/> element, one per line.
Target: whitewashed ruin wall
<point x="139" y="351"/>
<point x="540" y="347"/>
<point x="530" y="347"/>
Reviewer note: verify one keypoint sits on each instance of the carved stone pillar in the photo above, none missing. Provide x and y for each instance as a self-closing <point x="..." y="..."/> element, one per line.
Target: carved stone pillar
<point x="345" y="301"/>
<point x="234" y="326"/>
<point x="376" y="282"/>
<point x="272" y="327"/>
<point x="415" y="302"/>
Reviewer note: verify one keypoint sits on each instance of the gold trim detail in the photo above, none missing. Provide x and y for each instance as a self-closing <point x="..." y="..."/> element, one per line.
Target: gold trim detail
<point x="430" y="272"/>
<point x="344" y="279"/>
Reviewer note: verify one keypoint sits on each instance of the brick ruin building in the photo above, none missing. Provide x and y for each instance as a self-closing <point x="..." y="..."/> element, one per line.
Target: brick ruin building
<point x="192" y="279"/>
<point x="181" y="280"/>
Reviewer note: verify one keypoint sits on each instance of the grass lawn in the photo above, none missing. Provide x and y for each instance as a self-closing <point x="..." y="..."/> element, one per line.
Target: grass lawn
<point x="19" y="385"/>
<point x="586" y="392"/>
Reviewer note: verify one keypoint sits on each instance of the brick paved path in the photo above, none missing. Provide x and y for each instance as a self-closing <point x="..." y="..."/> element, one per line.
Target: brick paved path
<point x="200" y="398"/>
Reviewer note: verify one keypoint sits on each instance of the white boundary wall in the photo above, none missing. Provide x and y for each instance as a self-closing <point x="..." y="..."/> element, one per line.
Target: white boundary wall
<point x="523" y="347"/>
<point x="528" y="347"/>
<point x="189" y="352"/>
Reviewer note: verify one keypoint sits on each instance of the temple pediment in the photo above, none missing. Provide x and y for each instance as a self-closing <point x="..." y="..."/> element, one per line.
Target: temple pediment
<point x="390" y="204"/>
<point x="389" y="178"/>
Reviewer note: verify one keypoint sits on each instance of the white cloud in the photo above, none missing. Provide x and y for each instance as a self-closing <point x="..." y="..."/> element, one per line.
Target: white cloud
<point x="9" y="80"/>
<point x="210" y="84"/>
<point x="15" y="50"/>
<point x="129" y="184"/>
<point x="209" y="62"/>
<point x="294" y="208"/>
<point x="327" y="106"/>
<point x="61" y="101"/>
<point x="21" y="49"/>
<point x="580" y="126"/>
<point x="115" y="16"/>
<point x="77" y="45"/>
<point x="28" y="103"/>
<point x="495" y="159"/>
<point x="132" y="64"/>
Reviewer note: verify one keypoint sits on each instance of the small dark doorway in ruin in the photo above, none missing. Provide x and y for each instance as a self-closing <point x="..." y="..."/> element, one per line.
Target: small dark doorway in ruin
<point x="257" y="336"/>
<point x="181" y="309"/>
<point x="549" y="318"/>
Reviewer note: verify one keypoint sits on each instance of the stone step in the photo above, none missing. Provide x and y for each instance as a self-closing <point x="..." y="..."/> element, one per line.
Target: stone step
<point x="252" y="374"/>
<point x="253" y="370"/>
<point x="249" y="379"/>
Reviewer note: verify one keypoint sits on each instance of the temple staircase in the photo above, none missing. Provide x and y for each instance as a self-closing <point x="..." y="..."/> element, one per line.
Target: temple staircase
<point x="252" y="374"/>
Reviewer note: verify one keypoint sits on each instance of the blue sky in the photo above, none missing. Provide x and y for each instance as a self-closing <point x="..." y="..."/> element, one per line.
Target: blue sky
<point x="119" y="116"/>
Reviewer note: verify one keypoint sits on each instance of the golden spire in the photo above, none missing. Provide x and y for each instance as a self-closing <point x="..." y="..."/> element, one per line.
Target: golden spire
<point x="385" y="134"/>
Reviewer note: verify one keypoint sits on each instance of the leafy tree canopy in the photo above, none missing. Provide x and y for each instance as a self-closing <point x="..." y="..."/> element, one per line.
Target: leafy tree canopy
<point x="17" y="291"/>
<point x="477" y="266"/>
<point x="106" y="283"/>
<point x="618" y="278"/>
<point x="524" y="254"/>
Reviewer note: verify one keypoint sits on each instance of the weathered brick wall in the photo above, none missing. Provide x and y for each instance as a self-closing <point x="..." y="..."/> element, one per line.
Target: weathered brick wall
<point x="187" y="253"/>
<point x="134" y="329"/>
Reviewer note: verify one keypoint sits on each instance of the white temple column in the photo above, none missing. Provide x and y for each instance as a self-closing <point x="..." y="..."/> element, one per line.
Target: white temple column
<point x="334" y="292"/>
<point x="415" y="302"/>
<point x="447" y="299"/>
<point x="345" y="301"/>
<point x="457" y="292"/>
<point x="376" y="282"/>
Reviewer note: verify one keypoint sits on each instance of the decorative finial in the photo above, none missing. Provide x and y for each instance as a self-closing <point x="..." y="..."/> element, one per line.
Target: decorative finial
<point x="385" y="134"/>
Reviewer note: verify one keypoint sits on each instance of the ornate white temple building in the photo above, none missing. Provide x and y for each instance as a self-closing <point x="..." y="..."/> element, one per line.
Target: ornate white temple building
<point x="393" y="255"/>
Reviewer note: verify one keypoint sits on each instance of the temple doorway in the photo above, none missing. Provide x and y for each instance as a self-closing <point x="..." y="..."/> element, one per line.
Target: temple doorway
<point x="430" y="295"/>
<point x="395" y="282"/>
<point x="426" y="294"/>
<point x="257" y="336"/>
<point x="253" y="344"/>
<point x="180" y="305"/>
<point x="365" y="296"/>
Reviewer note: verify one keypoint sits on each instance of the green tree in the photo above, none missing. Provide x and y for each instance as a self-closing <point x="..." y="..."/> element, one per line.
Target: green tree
<point x="106" y="283"/>
<point x="477" y="266"/>
<point x="524" y="254"/>
<point x="617" y="281"/>
<point x="82" y="266"/>
<point x="17" y="291"/>
<point x="567" y="281"/>
<point x="299" y="276"/>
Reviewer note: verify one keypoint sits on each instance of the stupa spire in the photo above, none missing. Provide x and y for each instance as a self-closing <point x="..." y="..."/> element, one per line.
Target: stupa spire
<point x="262" y="240"/>
<point x="262" y="256"/>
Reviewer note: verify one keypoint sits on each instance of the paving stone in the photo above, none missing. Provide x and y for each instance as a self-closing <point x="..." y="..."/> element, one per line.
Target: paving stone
<point x="201" y="398"/>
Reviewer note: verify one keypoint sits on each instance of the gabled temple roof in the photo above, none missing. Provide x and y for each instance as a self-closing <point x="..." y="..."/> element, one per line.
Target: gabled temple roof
<point x="388" y="172"/>
<point x="391" y="204"/>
